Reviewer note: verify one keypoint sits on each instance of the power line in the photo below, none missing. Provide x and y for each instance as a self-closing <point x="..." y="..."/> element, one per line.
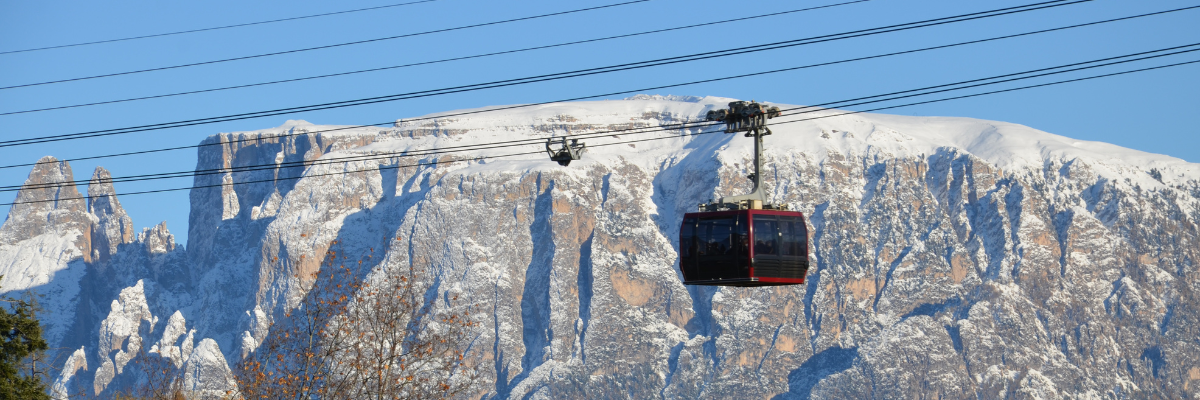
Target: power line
<point x="224" y="60"/>
<point x="842" y="103"/>
<point x="480" y="158"/>
<point x="418" y="164"/>
<point x="368" y="157"/>
<point x="995" y="91"/>
<point x="1030" y="74"/>
<point x="622" y="92"/>
<point x="546" y="77"/>
<point x="948" y="87"/>
<point x="435" y="61"/>
<point x="213" y="28"/>
<point x="554" y="76"/>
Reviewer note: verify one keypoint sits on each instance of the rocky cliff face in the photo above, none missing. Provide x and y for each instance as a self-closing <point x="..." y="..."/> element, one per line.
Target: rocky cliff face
<point x="112" y="226"/>
<point x="46" y="241"/>
<point x="951" y="257"/>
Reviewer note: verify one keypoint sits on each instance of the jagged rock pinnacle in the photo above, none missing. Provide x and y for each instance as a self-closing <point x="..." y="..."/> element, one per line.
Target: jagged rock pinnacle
<point x="48" y="201"/>
<point x="158" y="240"/>
<point x="112" y="227"/>
<point x="100" y="184"/>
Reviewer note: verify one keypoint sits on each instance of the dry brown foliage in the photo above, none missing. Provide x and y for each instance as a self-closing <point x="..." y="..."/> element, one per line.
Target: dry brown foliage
<point x="350" y="338"/>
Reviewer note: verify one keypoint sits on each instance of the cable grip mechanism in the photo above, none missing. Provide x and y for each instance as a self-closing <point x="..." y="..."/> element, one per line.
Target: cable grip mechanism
<point x="750" y="117"/>
<point x="566" y="152"/>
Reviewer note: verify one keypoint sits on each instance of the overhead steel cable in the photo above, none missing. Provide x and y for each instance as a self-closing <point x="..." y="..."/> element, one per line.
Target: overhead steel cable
<point x="951" y="86"/>
<point x="546" y="77"/>
<point x="372" y="156"/>
<point x="991" y="92"/>
<point x="329" y="46"/>
<point x="480" y="158"/>
<point x="635" y="90"/>
<point x="261" y="181"/>
<point x="1030" y="74"/>
<point x="213" y="28"/>
<point x="481" y="146"/>
<point x="774" y="14"/>
<point x="525" y="80"/>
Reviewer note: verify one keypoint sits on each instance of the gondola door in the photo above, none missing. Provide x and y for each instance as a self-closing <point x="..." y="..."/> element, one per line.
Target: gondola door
<point x="766" y="259"/>
<point x="780" y="246"/>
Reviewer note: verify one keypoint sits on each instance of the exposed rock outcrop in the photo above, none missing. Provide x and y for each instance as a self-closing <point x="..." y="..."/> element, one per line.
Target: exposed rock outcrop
<point x="950" y="257"/>
<point x="79" y="256"/>
<point x="48" y="202"/>
<point x="206" y="374"/>
<point x="121" y="334"/>
<point x="112" y="227"/>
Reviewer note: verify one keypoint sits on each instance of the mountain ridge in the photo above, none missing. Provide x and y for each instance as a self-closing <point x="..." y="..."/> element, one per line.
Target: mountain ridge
<point x="1013" y="254"/>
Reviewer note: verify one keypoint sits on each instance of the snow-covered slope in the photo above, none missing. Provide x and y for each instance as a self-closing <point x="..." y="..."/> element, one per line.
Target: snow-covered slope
<point x="951" y="256"/>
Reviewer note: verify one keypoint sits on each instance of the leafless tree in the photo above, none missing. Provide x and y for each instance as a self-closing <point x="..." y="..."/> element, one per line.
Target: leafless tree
<point x="380" y="337"/>
<point x="158" y="378"/>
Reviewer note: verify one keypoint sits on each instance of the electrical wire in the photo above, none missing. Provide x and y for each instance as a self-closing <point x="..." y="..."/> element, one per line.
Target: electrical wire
<point x="996" y="91"/>
<point x="774" y="14"/>
<point x="1030" y="74"/>
<point x="329" y="46"/>
<point x="481" y="158"/>
<point x="550" y="77"/>
<point x="371" y="156"/>
<point x="927" y="90"/>
<point x="622" y="92"/>
<point x="213" y="28"/>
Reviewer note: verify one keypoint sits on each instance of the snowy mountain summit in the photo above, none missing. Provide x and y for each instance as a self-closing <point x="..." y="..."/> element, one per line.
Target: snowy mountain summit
<point x="951" y="257"/>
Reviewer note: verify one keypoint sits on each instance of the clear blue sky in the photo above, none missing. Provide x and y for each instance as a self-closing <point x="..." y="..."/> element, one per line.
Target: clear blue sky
<point x="1150" y="111"/>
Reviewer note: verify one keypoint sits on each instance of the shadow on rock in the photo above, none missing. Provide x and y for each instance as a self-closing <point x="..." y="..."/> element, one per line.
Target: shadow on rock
<point x="828" y="362"/>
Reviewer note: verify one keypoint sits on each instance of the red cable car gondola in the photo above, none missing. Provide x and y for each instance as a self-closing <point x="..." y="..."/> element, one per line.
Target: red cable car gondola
<point x="739" y="240"/>
<point x="743" y="248"/>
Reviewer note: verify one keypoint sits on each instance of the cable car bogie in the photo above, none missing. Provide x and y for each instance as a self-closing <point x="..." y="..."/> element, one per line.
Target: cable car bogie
<point x="567" y="152"/>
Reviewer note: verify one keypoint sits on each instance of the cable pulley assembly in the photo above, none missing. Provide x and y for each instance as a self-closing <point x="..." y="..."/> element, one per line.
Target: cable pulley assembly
<point x="750" y="117"/>
<point x="743" y="116"/>
<point x="566" y="152"/>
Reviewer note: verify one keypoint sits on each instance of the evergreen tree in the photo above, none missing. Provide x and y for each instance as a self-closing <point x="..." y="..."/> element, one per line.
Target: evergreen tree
<point x="20" y="340"/>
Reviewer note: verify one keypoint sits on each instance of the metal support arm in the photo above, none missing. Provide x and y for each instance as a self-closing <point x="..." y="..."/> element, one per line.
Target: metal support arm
<point x="750" y="117"/>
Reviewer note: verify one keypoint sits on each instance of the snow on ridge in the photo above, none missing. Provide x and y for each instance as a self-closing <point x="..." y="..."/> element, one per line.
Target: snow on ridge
<point x="47" y="263"/>
<point x="669" y="97"/>
<point x="124" y="321"/>
<point x="1015" y="146"/>
<point x="166" y="346"/>
<point x="1008" y="146"/>
<point x="35" y="261"/>
<point x="297" y="126"/>
<point x="76" y="362"/>
<point x="598" y="111"/>
<point x="207" y="373"/>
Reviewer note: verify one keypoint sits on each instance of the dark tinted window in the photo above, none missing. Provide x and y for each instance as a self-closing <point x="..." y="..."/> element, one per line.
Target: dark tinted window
<point x="792" y="237"/>
<point x="715" y="236"/>
<point x="741" y="238"/>
<point x="802" y="236"/>
<point x="687" y="242"/>
<point x="766" y="231"/>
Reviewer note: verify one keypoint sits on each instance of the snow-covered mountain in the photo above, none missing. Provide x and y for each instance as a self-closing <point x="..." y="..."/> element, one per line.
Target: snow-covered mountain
<point x="952" y="257"/>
